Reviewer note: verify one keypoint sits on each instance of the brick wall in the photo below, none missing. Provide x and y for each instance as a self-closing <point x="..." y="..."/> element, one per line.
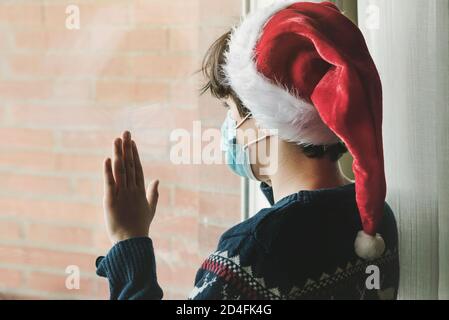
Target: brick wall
<point x="64" y="96"/>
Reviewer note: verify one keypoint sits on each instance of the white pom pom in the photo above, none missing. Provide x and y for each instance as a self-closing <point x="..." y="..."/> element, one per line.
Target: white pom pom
<point x="368" y="247"/>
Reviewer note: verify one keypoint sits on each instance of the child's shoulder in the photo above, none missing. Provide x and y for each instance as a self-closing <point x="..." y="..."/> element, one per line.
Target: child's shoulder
<point x="256" y="233"/>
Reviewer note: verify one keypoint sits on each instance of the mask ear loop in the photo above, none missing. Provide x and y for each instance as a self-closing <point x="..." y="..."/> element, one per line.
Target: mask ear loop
<point x="246" y="147"/>
<point x="243" y="121"/>
<point x="255" y="141"/>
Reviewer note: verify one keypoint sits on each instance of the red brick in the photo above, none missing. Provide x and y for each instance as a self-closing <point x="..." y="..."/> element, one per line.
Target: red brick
<point x="23" y="183"/>
<point x="178" y="226"/>
<point x="10" y="230"/>
<point x="52" y="211"/>
<point x="106" y="41"/>
<point x="188" y="252"/>
<point x="185" y="118"/>
<point x="72" y="90"/>
<point x="109" y="14"/>
<point x="99" y="14"/>
<point x="162" y="244"/>
<point x="79" y="163"/>
<point x="27" y="159"/>
<point x="60" y="235"/>
<point x="107" y="91"/>
<point x="55" y="283"/>
<point x="220" y="12"/>
<point x="20" y="137"/>
<point x="209" y="237"/>
<point x="162" y="12"/>
<point x="145" y="40"/>
<point x="120" y="92"/>
<point x="10" y="278"/>
<point x="147" y="122"/>
<point x="102" y="289"/>
<point x="186" y="200"/>
<point x="184" y="94"/>
<point x="57" y="162"/>
<point x="220" y="208"/>
<point x="22" y="90"/>
<point x="27" y="64"/>
<point x="183" y="39"/>
<point x="3" y="114"/>
<point x="36" y="39"/>
<point x="59" y="39"/>
<point x="69" y="65"/>
<point x="21" y="296"/>
<point x="4" y="42"/>
<point x="37" y="257"/>
<point x="212" y="113"/>
<point x="148" y="92"/>
<point x="114" y="66"/>
<point x="21" y="14"/>
<point x="56" y="15"/>
<point x="219" y="178"/>
<point x="90" y="188"/>
<point x="102" y="241"/>
<point x="57" y="90"/>
<point x="64" y="116"/>
<point x="164" y="67"/>
<point x="171" y="276"/>
<point x="181" y="174"/>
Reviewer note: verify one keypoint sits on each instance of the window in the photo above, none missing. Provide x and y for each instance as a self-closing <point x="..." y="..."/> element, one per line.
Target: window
<point x="73" y="76"/>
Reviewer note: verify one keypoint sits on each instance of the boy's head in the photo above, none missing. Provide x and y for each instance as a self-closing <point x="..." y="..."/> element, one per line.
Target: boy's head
<point x="216" y="84"/>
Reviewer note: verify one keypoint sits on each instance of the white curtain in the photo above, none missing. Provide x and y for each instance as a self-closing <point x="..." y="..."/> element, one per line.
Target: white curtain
<point x="409" y="41"/>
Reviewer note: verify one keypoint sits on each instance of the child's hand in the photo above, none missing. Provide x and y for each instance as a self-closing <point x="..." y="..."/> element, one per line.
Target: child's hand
<point x="128" y="209"/>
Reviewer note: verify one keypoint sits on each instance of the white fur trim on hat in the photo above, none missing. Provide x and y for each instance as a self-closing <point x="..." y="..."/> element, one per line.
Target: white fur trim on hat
<point x="368" y="247"/>
<point x="272" y="105"/>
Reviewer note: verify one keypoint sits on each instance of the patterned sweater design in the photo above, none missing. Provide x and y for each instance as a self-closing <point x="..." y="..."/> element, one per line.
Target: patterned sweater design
<point x="299" y="248"/>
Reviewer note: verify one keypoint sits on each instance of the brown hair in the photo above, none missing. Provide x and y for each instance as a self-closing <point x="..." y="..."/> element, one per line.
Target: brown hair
<point x="212" y="69"/>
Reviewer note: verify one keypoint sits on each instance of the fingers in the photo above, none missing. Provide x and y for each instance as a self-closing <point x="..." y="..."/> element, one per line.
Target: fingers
<point x="129" y="160"/>
<point x="140" y="180"/>
<point x="119" y="165"/>
<point x="109" y="182"/>
<point x="153" y="194"/>
<point x="127" y="168"/>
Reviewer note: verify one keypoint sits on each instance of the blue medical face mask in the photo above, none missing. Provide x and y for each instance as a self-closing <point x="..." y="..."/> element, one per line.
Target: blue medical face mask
<point x="237" y="156"/>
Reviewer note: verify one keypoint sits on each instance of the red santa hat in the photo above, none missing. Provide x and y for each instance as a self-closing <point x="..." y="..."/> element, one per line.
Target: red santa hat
<point x="304" y="69"/>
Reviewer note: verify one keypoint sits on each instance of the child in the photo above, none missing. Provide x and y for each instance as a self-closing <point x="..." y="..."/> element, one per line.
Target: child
<point x="303" y="69"/>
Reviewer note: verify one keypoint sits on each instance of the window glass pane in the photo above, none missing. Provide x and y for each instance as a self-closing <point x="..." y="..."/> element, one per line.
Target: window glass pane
<point x="73" y="76"/>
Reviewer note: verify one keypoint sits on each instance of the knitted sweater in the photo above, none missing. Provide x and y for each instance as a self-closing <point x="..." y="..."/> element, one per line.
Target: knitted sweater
<point x="302" y="247"/>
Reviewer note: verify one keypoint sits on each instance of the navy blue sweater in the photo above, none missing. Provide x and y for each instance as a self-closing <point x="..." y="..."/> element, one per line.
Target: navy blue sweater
<point x="302" y="247"/>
